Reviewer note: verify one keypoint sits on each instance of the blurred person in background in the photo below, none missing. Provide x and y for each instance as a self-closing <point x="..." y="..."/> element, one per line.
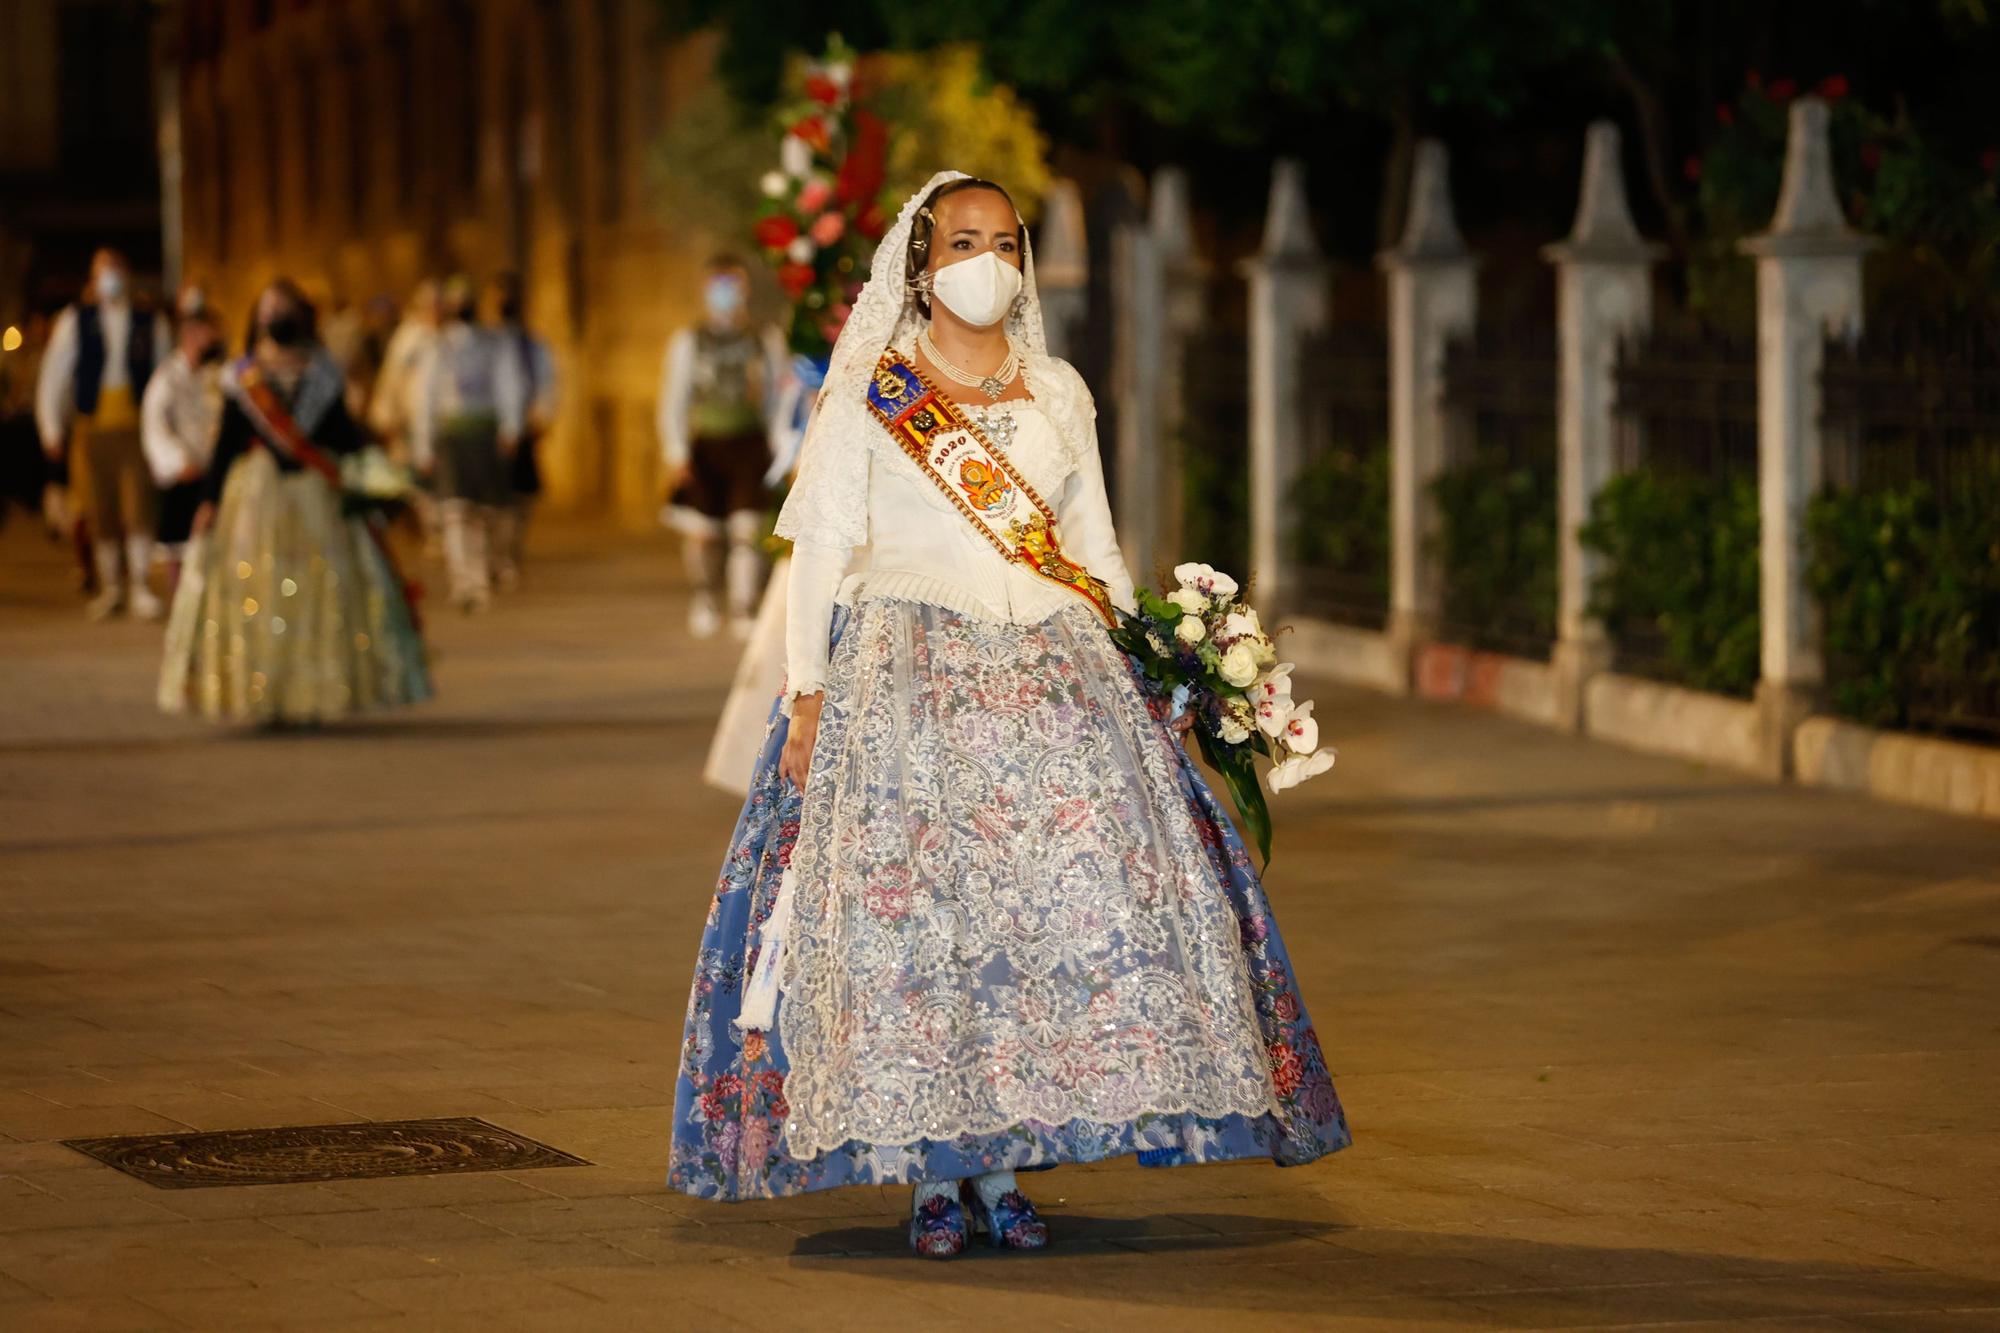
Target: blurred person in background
<point x="289" y="610"/>
<point x="393" y="406"/>
<point x="471" y="404"/>
<point x="101" y="353"/>
<point x="718" y="388"/>
<point x="178" y="420"/>
<point x="379" y="319"/>
<point x="503" y="313"/>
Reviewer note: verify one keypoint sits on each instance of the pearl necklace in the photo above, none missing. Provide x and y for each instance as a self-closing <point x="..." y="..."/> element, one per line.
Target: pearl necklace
<point x="991" y="385"/>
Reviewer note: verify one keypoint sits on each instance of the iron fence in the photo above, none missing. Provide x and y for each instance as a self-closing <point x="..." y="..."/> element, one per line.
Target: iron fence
<point x="1337" y="511"/>
<point x="1904" y="541"/>
<point x="1495" y="495"/>
<point x="1215" y="450"/>
<point x="1677" y="527"/>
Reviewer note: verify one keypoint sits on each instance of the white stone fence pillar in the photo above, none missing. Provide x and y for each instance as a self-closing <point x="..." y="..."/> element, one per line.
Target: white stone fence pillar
<point x="1185" y="306"/>
<point x="1604" y="292"/>
<point x="1433" y="297"/>
<point x="1139" y="343"/>
<point x="1808" y="287"/>
<point x="1062" y="266"/>
<point x="1288" y="300"/>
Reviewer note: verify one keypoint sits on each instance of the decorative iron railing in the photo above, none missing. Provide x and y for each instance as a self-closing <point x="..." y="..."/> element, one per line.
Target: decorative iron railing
<point x="1904" y="540"/>
<point x="1337" y="511"/>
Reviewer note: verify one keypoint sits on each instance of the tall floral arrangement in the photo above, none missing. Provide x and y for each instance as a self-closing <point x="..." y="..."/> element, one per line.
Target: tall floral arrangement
<point x="822" y="212"/>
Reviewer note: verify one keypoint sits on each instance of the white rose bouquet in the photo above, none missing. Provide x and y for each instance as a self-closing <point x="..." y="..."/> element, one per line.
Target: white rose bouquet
<point x="373" y="482"/>
<point x="1203" y="647"/>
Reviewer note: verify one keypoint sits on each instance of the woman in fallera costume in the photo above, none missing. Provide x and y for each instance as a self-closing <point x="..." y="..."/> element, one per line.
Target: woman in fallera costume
<point x="980" y="912"/>
<point x="288" y="610"/>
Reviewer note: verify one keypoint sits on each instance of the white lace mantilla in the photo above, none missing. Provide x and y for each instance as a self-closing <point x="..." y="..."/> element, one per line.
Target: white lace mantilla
<point x="1003" y="911"/>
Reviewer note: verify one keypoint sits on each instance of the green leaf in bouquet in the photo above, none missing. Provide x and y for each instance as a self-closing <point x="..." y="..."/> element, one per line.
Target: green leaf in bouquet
<point x="1238" y="768"/>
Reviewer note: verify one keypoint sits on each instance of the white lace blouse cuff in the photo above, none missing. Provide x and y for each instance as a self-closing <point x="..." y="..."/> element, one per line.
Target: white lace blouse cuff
<point x="815" y="579"/>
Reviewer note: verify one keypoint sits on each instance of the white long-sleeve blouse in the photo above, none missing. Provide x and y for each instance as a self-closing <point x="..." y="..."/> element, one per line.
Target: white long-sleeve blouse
<point x="865" y="520"/>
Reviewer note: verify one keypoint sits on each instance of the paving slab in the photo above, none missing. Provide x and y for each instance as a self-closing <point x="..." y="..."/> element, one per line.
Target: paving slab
<point x="1625" y="1041"/>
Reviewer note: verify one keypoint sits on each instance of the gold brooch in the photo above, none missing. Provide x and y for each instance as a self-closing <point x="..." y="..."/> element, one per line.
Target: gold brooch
<point x="889" y="384"/>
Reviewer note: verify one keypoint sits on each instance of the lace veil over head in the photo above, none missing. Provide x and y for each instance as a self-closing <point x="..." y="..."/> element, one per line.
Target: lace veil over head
<point x="828" y="501"/>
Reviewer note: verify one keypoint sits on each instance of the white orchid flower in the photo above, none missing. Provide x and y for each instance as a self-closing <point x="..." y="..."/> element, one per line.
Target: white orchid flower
<point x="1188" y="600"/>
<point x="1301" y="731"/>
<point x="1232" y="730"/>
<point x="1291" y="771"/>
<point x="773" y="184"/>
<point x="1276" y="683"/>
<point x="1190" y="630"/>
<point x="1205" y="579"/>
<point x="801" y="250"/>
<point x="1239" y="664"/>
<point x="1273" y="712"/>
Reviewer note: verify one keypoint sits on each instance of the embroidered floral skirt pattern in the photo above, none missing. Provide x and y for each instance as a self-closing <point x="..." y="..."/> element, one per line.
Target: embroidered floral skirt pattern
<point x="1022" y="932"/>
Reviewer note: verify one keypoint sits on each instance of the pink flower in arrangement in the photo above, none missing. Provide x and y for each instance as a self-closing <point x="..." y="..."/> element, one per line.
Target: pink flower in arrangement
<point x="828" y="227"/>
<point x="814" y="194"/>
<point x="841" y="310"/>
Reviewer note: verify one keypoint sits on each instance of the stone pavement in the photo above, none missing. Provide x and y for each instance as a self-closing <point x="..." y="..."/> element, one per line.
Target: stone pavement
<point x="1624" y="1042"/>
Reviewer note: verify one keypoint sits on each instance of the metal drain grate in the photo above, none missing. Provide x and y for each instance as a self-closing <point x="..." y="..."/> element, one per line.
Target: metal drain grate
<point x="298" y="1154"/>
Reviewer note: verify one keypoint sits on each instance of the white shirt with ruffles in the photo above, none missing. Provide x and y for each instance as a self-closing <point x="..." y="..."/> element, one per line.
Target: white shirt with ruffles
<point x="866" y="521"/>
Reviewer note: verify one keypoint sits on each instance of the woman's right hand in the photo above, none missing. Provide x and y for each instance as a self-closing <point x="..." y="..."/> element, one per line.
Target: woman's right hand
<point x="796" y="758"/>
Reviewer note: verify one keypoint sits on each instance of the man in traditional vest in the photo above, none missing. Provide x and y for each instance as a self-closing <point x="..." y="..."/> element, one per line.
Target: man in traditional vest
<point x="718" y="389"/>
<point x="100" y="355"/>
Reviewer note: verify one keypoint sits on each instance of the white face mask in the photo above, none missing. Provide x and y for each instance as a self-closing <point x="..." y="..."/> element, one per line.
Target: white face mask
<point x="110" y="285"/>
<point x="979" y="290"/>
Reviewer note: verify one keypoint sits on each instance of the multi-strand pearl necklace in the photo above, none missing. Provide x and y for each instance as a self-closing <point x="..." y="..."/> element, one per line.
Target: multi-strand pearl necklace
<point x="991" y="385"/>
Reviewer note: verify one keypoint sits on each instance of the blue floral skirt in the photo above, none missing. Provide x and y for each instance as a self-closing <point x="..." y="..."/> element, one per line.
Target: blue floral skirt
<point x="970" y="773"/>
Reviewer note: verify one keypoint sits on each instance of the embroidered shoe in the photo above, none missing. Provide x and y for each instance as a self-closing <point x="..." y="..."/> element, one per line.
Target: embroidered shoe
<point x="937" y="1228"/>
<point x="1011" y="1223"/>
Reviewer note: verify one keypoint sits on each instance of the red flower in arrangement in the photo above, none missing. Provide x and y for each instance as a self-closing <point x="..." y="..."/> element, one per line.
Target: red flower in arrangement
<point x="795" y="278"/>
<point x="776" y="231"/>
<point x="1833" y="87"/>
<point x="864" y="169"/>
<point x="871" y="223"/>
<point x="814" y="194"/>
<point x="1692" y="168"/>
<point x="1725" y="113"/>
<point x="1782" y="90"/>
<point x="813" y="130"/>
<point x="1989" y="161"/>
<point x="822" y="89"/>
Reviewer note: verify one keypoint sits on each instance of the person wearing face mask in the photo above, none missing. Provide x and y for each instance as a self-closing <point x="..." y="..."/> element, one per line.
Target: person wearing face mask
<point x="980" y="913"/>
<point x="100" y="355"/>
<point x="537" y="366"/>
<point x="178" y="418"/>
<point x="472" y="404"/>
<point x="289" y="610"/>
<point x="718" y="387"/>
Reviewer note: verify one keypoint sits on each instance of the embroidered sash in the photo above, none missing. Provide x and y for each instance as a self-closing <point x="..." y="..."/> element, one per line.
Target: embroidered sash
<point x="979" y="480"/>
<point x="275" y="425"/>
